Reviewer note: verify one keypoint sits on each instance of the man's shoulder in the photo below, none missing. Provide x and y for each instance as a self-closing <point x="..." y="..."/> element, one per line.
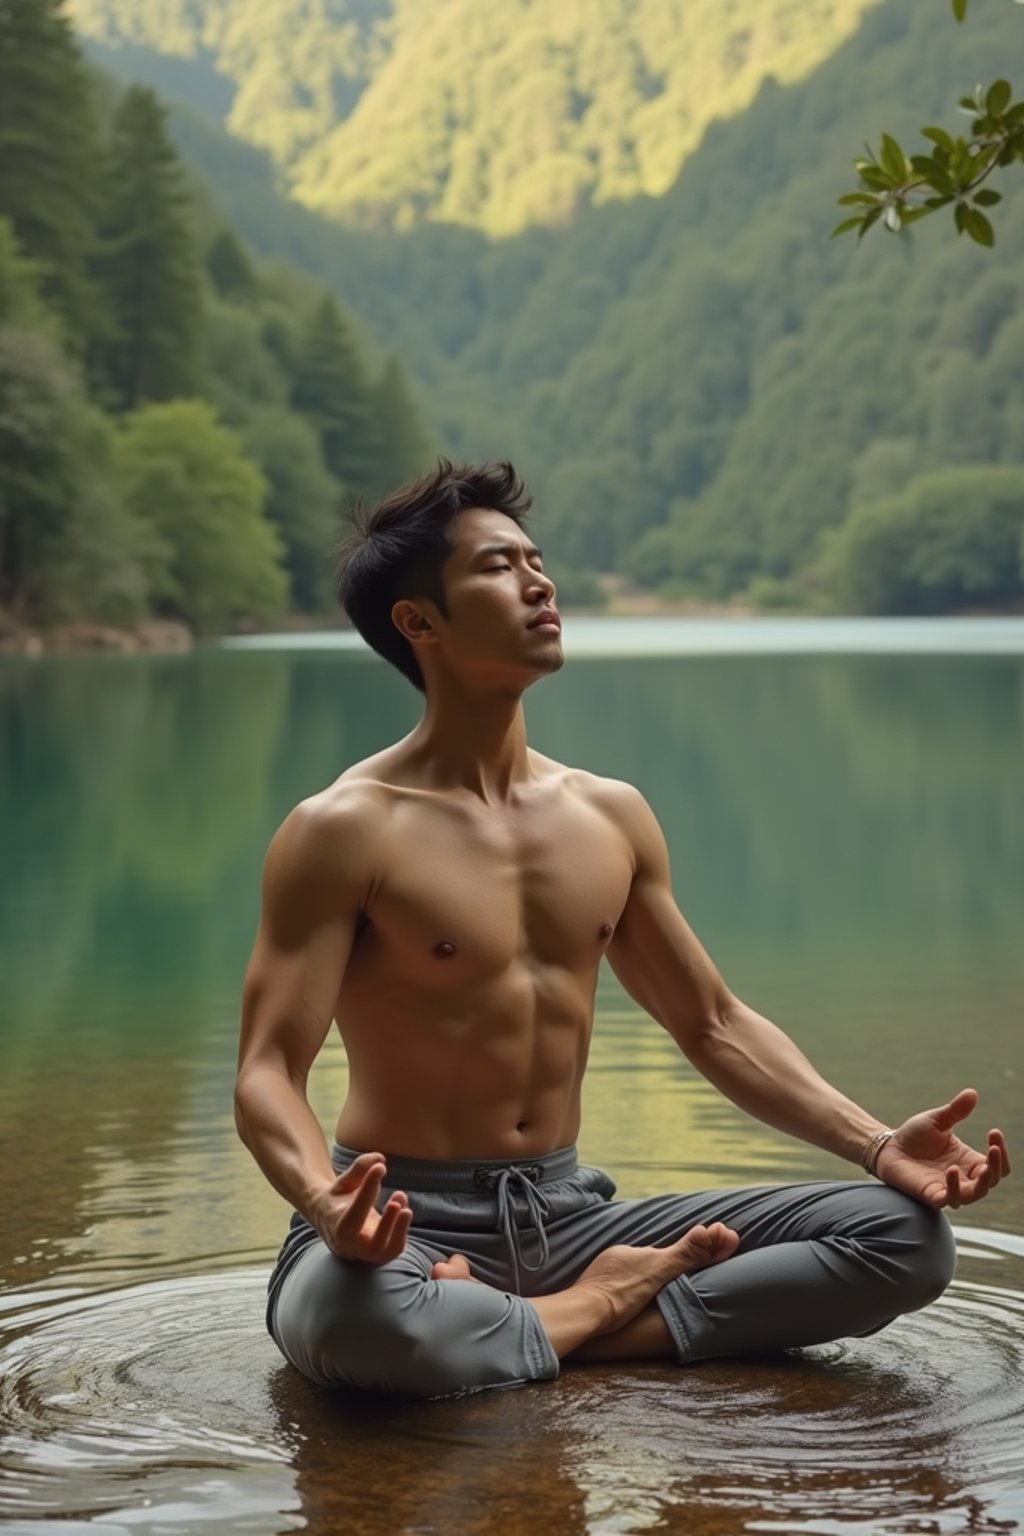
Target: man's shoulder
<point x="345" y="819"/>
<point x="616" y="799"/>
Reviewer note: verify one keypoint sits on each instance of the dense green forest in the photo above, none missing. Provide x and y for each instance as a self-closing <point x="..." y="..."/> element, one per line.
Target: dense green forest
<point x="706" y="393"/>
<point x="496" y="114"/>
<point x="180" y="423"/>
<point x="709" y="397"/>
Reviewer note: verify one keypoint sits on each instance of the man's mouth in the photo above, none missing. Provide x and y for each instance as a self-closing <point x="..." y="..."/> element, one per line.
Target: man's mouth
<point x="546" y="619"/>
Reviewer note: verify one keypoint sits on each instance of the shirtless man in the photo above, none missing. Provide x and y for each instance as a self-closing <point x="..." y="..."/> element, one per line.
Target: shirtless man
<point x="449" y="902"/>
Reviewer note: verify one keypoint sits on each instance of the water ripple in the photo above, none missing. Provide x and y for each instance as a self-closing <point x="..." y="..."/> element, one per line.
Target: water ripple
<point x="163" y="1407"/>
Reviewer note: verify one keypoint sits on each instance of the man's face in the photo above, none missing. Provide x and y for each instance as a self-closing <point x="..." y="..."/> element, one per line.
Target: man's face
<point x="496" y="591"/>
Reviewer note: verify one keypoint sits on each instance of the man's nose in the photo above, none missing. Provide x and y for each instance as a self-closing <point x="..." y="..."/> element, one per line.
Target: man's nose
<point x="541" y="585"/>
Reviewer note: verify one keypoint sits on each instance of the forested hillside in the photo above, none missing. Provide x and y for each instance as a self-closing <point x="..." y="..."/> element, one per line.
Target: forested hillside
<point x="702" y="387"/>
<point x="179" y="423"/>
<point x="497" y="114"/>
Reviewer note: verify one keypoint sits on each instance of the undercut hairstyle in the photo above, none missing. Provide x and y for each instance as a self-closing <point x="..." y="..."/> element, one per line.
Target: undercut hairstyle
<point x="396" y="549"/>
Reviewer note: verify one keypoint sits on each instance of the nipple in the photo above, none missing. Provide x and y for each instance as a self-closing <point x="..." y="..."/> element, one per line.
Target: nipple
<point x="444" y="949"/>
<point x="606" y="931"/>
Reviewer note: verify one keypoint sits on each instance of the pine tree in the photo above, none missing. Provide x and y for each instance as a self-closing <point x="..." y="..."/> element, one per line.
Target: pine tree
<point x="404" y="447"/>
<point x="149" y="264"/>
<point x="229" y="266"/>
<point x="48" y="155"/>
<point x="333" y="391"/>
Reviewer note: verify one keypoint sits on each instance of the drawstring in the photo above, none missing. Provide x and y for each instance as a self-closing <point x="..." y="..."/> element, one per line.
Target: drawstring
<point x="537" y="1206"/>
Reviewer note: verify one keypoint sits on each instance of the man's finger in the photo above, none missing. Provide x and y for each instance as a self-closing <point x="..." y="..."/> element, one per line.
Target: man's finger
<point x="363" y="1200"/>
<point x="995" y="1166"/>
<point x="997" y="1139"/>
<point x="352" y="1176"/>
<point x="959" y="1107"/>
<point x="378" y="1240"/>
<point x="977" y="1187"/>
<point x="389" y="1247"/>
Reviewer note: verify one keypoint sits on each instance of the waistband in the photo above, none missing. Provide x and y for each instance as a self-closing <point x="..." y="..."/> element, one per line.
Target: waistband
<point x="504" y="1177"/>
<point x="463" y="1175"/>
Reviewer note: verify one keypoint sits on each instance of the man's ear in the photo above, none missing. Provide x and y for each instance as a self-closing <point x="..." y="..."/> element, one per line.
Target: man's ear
<point x="411" y="621"/>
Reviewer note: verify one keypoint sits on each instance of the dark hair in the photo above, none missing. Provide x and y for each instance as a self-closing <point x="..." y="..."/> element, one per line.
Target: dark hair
<point x="396" y="549"/>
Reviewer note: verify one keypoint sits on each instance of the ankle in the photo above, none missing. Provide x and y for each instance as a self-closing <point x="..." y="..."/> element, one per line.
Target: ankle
<point x="602" y="1306"/>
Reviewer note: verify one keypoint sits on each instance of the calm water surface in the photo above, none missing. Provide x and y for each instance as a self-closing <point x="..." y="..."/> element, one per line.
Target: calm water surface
<point x="845" y="810"/>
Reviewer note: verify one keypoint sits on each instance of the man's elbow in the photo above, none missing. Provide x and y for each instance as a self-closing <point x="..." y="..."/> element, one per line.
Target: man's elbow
<point x="239" y="1097"/>
<point x="248" y="1092"/>
<point x="708" y="1025"/>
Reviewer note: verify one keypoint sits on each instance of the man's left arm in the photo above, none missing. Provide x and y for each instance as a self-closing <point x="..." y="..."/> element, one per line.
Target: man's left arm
<point x="663" y="966"/>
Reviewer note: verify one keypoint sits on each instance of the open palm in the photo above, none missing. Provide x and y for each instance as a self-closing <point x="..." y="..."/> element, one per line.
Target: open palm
<point x="926" y="1159"/>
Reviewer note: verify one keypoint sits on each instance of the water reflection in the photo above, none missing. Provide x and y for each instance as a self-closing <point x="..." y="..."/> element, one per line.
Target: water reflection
<point x="164" y="1406"/>
<point x="847" y="835"/>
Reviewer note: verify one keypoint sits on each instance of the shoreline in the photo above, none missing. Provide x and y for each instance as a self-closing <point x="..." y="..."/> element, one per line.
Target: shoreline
<point x="172" y="637"/>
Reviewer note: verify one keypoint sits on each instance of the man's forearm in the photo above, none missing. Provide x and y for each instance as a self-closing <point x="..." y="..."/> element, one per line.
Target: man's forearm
<point x="760" y="1069"/>
<point x="283" y="1134"/>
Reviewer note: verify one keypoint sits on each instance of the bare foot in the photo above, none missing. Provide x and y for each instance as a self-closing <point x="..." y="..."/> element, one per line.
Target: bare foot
<point x="455" y="1268"/>
<point x="628" y="1278"/>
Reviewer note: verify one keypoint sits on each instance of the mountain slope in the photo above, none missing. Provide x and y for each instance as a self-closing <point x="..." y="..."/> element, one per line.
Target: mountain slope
<point x="496" y="114"/>
<point x="701" y="384"/>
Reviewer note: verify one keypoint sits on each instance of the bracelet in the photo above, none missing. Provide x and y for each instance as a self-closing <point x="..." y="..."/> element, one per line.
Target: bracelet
<point x="872" y="1150"/>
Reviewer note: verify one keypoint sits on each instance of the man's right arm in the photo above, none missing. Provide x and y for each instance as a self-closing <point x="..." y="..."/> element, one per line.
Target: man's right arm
<point x="318" y="873"/>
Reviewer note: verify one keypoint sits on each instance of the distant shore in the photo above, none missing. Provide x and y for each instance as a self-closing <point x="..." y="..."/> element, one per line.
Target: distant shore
<point x="156" y="635"/>
<point x="173" y="637"/>
<point x="170" y="636"/>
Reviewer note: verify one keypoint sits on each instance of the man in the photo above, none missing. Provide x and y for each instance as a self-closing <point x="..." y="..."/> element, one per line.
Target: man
<point x="449" y="902"/>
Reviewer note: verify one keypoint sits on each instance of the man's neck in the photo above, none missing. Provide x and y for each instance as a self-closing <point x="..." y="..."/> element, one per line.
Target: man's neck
<point x="472" y="741"/>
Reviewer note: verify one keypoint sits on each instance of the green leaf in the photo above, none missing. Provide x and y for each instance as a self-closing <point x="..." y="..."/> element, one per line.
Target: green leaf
<point x="841" y="229"/>
<point x="911" y="215"/>
<point x="874" y="176"/>
<point x="856" y="197"/>
<point x="998" y="97"/>
<point x="960" y="216"/>
<point x="959" y="9"/>
<point x="938" y="136"/>
<point x="968" y="103"/>
<point x="987" y="198"/>
<point x="934" y="175"/>
<point x="978" y="227"/>
<point x="893" y="158"/>
<point x="869" y="219"/>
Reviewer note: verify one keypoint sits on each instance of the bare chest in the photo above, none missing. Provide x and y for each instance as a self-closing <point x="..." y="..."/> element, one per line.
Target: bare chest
<point x="464" y="897"/>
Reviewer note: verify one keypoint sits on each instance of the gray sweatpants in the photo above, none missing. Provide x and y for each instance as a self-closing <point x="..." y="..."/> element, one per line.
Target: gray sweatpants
<point x="816" y="1261"/>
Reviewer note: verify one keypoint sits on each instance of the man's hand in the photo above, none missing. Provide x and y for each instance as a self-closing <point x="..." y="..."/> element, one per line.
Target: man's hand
<point x="926" y="1160"/>
<point x="344" y="1214"/>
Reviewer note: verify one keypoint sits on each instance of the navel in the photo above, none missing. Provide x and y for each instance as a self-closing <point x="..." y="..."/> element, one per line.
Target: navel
<point x="444" y="949"/>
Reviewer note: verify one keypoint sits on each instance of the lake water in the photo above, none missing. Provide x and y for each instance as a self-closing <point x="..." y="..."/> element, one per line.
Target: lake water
<point x="844" y="803"/>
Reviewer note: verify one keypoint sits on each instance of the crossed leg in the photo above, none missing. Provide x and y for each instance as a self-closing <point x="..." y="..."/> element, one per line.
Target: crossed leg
<point x="802" y="1264"/>
<point x="613" y="1297"/>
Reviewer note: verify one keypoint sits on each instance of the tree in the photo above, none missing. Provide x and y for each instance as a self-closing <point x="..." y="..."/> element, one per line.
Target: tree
<point x="48" y="155"/>
<point x="20" y="303"/>
<point x="332" y="389"/>
<point x="67" y="548"/>
<point x="403" y="448"/>
<point x="215" y="556"/>
<point x="229" y="267"/>
<point x="303" y="500"/>
<point x="949" y="541"/>
<point x="148" y="264"/>
<point x="900" y="189"/>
